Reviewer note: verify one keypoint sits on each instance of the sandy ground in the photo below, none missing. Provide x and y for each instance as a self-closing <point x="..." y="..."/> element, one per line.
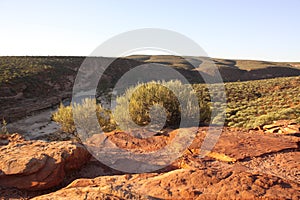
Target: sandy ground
<point x="35" y="126"/>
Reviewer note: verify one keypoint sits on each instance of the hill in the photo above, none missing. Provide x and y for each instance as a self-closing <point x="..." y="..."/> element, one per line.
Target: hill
<point x="29" y="84"/>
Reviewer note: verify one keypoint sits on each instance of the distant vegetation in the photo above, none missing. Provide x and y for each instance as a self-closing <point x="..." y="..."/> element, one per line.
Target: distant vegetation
<point x="18" y="67"/>
<point x="28" y="84"/>
<point x="256" y="103"/>
<point x="3" y="127"/>
<point x="249" y="104"/>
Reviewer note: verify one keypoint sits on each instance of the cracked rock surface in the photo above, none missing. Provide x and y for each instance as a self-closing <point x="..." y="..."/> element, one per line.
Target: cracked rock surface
<point x="37" y="165"/>
<point x="242" y="165"/>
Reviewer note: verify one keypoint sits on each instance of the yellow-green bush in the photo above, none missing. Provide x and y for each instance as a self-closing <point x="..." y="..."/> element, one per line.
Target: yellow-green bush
<point x="138" y="101"/>
<point x="83" y="113"/>
<point x="64" y="116"/>
<point x="3" y="127"/>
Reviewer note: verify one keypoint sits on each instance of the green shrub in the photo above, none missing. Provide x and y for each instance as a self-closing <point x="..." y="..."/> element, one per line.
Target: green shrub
<point x="3" y="127"/>
<point x="64" y="116"/>
<point x="279" y="99"/>
<point x="285" y="113"/>
<point x="83" y="112"/>
<point x="135" y="106"/>
<point x="263" y="120"/>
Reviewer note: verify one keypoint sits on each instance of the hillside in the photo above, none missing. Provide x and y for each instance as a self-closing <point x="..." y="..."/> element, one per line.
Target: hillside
<point x="29" y="84"/>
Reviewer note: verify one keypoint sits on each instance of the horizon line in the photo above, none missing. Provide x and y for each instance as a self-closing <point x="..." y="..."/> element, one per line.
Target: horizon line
<point x="244" y="59"/>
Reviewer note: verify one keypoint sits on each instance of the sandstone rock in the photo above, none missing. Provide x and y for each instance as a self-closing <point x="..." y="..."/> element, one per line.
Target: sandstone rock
<point x="239" y="144"/>
<point x="203" y="183"/>
<point x="291" y="130"/>
<point x="266" y="167"/>
<point x="242" y="165"/>
<point x="270" y="126"/>
<point x="282" y="127"/>
<point x="37" y="165"/>
<point x="273" y="130"/>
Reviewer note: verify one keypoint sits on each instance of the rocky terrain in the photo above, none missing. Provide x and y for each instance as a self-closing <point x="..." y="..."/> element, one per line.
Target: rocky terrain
<point x="242" y="165"/>
<point x="42" y="162"/>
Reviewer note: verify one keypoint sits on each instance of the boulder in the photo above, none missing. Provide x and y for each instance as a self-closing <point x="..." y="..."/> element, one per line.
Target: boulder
<point x="282" y="127"/>
<point x="270" y="126"/>
<point x="38" y="165"/>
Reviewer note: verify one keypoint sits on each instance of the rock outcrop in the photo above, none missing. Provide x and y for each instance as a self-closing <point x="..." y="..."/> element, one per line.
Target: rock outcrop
<point x="38" y="165"/>
<point x="208" y="182"/>
<point x="265" y="166"/>
<point x="282" y="127"/>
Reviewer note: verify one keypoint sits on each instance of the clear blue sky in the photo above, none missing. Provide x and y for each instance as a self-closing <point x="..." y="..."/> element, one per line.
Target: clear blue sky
<point x="241" y="29"/>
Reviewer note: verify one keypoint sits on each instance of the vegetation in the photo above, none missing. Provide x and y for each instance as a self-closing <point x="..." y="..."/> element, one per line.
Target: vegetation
<point x="3" y="127"/>
<point x="83" y="113"/>
<point x="135" y="106"/>
<point x="64" y="116"/>
<point x="249" y="104"/>
<point x="20" y="67"/>
<point x="256" y="103"/>
<point x="175" y="97"/>
<point x="180" y="62"/>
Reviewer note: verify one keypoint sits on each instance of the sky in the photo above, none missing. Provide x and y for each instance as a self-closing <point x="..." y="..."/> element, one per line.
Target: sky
<point x="233" y="29"/>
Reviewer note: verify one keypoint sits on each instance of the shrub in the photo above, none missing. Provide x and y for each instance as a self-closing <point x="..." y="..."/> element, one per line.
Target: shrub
<point x="64" y="116"/>
<point x="285" y="113"/>
<point x="83" y="112"/>
<point x="264" y="119"/>
<point x="3" y="127"/>
<point x="135" y="106"/>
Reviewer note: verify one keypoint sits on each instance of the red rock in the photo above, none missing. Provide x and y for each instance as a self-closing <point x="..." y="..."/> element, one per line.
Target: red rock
<point x="272" y="177"/>
<point x="282" y="127"/>
<point x="37" y="165"/>
<point x="240" y="144"/>
<point x="267" y="167"/>
<point x="205" y="183"/>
